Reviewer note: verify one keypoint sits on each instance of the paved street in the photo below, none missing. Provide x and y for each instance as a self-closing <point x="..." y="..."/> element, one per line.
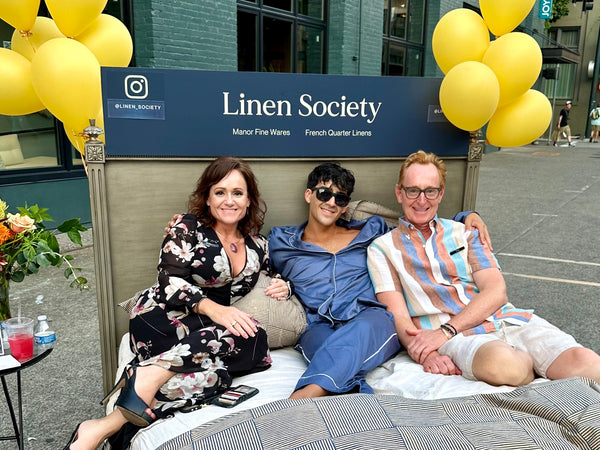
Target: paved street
<point x="542" y="207"/>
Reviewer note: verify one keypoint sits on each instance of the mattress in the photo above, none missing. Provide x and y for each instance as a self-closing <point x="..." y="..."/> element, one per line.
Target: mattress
<point x="554" y="415"/>
<point x="399" y="376"/>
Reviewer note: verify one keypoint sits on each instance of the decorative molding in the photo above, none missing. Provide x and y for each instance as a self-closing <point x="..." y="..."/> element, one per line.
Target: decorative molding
<point x="94" y="153"/>
<point x="95" y="157"/>
<point x="476" y="146"/>
<point x="471" y="182"/>
<point x="475" y="151"/>
<point x="475" y="155"/>
<point x="93" y="147"/>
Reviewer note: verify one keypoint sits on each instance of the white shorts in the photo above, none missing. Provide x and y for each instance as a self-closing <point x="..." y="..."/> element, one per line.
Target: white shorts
<point x="539" y="338"/>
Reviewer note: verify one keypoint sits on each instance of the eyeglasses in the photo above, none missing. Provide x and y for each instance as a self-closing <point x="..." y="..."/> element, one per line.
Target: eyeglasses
<point x="325" y="194"/>
<point x="431" y="193"/>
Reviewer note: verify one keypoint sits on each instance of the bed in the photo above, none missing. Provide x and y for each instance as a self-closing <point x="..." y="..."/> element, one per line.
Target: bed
<point x="533" y="417"/>
<point x="410" y="409"/>
<point x="131" y="202"/>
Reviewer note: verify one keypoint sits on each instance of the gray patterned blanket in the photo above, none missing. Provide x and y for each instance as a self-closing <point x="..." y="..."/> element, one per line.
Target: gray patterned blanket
<point x="556" y="415"/>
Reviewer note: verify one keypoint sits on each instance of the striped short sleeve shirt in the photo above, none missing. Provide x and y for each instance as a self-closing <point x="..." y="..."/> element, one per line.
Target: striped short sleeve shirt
<point x="436" y="275"/>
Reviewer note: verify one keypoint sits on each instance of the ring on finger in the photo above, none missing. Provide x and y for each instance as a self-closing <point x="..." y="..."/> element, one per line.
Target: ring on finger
<point x="233" y="323"/>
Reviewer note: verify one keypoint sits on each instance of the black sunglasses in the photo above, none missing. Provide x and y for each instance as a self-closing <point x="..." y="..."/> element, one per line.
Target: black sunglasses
<point x="324" y="195"/>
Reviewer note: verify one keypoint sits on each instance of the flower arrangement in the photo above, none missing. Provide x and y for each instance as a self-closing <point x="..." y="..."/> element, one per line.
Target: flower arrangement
<point x="26" y="245"/>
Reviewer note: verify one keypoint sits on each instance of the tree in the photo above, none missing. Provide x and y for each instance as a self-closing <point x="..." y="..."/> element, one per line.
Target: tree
<point x="560" y="8"/>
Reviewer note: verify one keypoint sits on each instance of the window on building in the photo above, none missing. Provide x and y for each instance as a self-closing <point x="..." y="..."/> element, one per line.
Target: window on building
<point x="28" y="143"/>
<point x="34" y="147"/>
<point x="564" y="84"/>
<point x="403" y="37"/>
<point x="281" y="36"/>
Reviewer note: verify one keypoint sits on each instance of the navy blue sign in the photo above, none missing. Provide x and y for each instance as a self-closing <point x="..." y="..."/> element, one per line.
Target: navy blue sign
<point x="160" y="112"/>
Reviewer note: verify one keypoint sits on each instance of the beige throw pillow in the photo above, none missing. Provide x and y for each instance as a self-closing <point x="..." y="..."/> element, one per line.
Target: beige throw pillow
<point x="361" y="209"/>
<point x="10" y="150"/>
<point x="283" y="320"/>
<point x="129" y="304"/>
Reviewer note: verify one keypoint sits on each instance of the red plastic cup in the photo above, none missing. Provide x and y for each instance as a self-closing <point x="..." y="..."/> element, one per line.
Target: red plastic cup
<point x="20" y="337"/>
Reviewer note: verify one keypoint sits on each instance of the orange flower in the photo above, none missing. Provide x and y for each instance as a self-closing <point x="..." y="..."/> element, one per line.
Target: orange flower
<point x="5" y="234"/>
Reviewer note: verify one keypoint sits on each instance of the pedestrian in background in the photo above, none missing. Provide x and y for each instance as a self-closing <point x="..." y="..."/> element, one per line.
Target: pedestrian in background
<point x="562" y="128"/>
<point x="595" y="122"/>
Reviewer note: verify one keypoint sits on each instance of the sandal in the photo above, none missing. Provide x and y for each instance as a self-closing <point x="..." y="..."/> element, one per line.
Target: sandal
<point x="118" y="385"/>
<point x="130" y="404"/>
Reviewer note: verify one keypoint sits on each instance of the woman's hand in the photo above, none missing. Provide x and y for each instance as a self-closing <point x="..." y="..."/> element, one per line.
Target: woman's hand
<point x="474" y="220"/>
<point x="278" y="289"/>
<point x="236" y="321"/>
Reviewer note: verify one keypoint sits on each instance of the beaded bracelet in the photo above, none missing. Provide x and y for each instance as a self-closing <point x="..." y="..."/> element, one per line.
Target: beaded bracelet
<point x="451" y="331"/>
<point x="448" y="324"/>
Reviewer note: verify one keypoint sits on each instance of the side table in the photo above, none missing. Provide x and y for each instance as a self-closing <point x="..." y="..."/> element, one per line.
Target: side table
<point x="38" y="355"/>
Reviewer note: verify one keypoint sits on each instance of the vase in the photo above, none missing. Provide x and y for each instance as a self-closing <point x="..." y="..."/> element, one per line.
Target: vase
<point x="4" y="303"/>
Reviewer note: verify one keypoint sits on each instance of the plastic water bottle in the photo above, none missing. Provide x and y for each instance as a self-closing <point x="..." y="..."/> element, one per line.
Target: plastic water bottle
<point x="43" y="334"/>
<point x="4" y="337"/>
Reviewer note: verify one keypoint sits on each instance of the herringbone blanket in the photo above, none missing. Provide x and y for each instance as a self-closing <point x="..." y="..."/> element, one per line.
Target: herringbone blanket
<point x="556" y="415"/>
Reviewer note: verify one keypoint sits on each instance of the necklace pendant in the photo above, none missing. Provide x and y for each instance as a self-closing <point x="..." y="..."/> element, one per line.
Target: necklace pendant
<point x="233" y="248"/>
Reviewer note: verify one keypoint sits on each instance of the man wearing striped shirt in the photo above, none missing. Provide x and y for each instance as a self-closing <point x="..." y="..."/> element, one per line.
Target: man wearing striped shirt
<point x="448" y="296"/>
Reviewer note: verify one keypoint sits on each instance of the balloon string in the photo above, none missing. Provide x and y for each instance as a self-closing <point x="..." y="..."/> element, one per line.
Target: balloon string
<point x="33" y="47"/>
<point x="84" y="165"/>
<point x="26" y="34"/>
<point x="82" y="153"/>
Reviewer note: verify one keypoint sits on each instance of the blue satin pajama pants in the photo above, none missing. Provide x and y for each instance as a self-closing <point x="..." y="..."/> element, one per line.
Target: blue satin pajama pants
<point x="340" y="356"/>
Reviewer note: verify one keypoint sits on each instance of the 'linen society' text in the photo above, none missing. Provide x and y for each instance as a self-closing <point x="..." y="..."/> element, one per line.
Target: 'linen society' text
<point x="307" y="108"/>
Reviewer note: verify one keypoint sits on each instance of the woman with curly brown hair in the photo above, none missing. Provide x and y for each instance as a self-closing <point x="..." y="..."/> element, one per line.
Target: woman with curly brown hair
<point x="188" y="340"/>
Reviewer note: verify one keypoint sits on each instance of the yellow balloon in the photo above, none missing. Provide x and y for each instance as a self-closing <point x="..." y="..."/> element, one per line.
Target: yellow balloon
<point x="109" y="40"/>
<point x="17" y="96"/>
<point x="77" y="137"/>
<point x="66" y="77"/>
<point x="74" y="16"/>
<point x="19" y="13"/>
<point x="469" y="95"/>
<point x="460" y="35"/>
<point x="520" y="122"/>
<point x="516" y="59"/>
<point x="27" y="43"/>
<point x="503" y="16"/>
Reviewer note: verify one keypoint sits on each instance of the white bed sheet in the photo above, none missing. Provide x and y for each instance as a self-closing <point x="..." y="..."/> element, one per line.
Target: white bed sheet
<point x="400" y="376"/>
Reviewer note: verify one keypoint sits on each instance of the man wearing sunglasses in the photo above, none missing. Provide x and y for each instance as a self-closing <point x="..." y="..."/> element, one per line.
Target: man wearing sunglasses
<point x="349" y="332"/>
<point x="449" y="300"/>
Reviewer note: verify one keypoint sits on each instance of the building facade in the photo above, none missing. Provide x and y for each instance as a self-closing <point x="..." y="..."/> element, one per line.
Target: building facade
<point x="574" y="63"/>
<point x="342" y="37"/>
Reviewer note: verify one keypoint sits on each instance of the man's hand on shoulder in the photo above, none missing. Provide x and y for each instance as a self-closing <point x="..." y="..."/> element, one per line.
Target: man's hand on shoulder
<point x="474" y="221"/>
<point x="172" y="223"/>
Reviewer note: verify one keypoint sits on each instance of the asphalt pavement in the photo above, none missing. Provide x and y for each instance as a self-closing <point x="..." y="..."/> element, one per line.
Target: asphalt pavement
<point x="541" y="204"/>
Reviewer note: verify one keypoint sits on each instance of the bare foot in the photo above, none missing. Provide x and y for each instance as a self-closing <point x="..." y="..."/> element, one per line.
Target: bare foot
<point x="310" y="391"/>
<point x="90" y="435"/>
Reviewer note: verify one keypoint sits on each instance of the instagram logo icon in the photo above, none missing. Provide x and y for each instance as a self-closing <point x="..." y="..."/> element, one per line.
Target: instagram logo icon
<point x="136" y="86"/>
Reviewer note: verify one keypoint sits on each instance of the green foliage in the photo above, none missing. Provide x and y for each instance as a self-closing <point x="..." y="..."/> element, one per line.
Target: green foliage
<point x="24" y="251"/>
<point x="560" y="8"/>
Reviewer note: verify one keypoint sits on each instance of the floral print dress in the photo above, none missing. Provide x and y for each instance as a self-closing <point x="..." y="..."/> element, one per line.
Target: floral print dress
<point x="165" y="331"/>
